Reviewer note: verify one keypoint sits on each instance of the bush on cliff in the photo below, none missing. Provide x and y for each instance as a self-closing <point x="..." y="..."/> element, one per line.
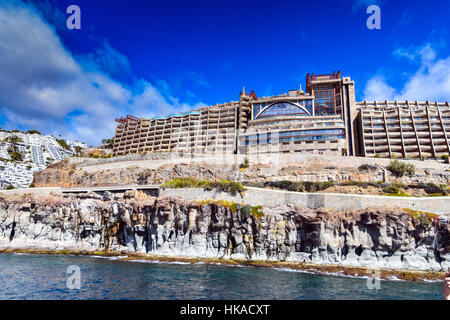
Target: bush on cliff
<point x="180" y="183"/>
<point x="244" y="165"/>
<point x="399" y="169"/>
<point x="432" y="189"/>
<point x="248" y="211"/>
<point x="392" y="189"/>
<point x="228" y="186"/>
<point x="367" y="167"/>
<point x="421" y="217"/>
<point x="300" y="186"/>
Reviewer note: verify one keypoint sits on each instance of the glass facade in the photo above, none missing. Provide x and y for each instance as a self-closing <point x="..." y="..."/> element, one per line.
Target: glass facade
<point x="327" y="99"/>
<point x="297" y="135"/>
<point x="280" y="109"/>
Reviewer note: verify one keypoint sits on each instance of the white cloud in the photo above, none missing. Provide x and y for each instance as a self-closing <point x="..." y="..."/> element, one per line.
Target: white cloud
<point x="44" y="87"/>
<point x="421" y="55"/>
<point x="431" y="81"/>
<point x="377" y="89"/>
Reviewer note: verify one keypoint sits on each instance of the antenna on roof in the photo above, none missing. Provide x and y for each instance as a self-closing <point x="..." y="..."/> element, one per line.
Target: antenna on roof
<point x="243" y="90"/>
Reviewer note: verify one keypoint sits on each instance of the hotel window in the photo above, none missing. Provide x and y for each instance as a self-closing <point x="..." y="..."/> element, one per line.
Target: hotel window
<point x="327" y="99"/>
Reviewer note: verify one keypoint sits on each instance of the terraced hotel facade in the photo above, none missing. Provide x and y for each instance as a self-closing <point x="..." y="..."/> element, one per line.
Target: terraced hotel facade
<point x="326" y="119"/>
<point x="404" y="129"/>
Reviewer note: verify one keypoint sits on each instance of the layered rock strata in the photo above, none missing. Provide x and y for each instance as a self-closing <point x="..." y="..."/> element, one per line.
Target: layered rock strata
<point x="373" y="237"/>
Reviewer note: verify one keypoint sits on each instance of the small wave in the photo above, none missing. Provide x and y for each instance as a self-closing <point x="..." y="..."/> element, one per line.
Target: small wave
<point x="144" y="261"/>
<point x="109" y="258"/>
<point x="433" y="281"/>
<point x="158" y="262"/>
<point x="394" y="278"/>
<point x="177" y="262"/>
<point x="293" y="270"/>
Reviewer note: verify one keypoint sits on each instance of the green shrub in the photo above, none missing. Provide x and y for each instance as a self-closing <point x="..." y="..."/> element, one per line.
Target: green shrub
<point x="63" y="144"/>
<point x="32" y="185"/>
<point x="245" y="211"/>
<point x="367" y="167"/>
<point x="256" y="212"/>
<point x="231" y="187"/>
<point x="205" y="184"/>
<point x="10" y="187"/>
<point x="432" y="189"/>
<point x="317" y="186"/>
<point x="244" y="165"/>
<point x="421" y="217"/>
<point x="180" y="183"/>
<point x="445" y="158"/>
<point x="300" y="186"/>
<point x="13" y="140"/>
<point x="391" y="189"/>
<point x="399" y="169"/>
<point x="15" y="155"/>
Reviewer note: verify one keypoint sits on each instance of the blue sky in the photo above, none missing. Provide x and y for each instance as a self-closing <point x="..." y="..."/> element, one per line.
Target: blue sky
<point x="150" y="58"/>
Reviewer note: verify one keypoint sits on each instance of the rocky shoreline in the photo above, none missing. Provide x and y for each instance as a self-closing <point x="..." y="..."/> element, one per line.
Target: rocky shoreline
<point x="405" y="245"/>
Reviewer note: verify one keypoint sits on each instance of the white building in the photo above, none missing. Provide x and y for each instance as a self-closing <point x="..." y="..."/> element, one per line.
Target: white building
<point x="38" y="151"/>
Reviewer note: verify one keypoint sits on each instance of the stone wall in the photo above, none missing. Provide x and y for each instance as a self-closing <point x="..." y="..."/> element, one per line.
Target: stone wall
<point x="273" y="198"/>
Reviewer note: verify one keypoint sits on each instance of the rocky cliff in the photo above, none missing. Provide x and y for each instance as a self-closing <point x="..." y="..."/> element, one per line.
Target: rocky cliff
<point x="69" y="173"/>
<point x="378" y="237"/>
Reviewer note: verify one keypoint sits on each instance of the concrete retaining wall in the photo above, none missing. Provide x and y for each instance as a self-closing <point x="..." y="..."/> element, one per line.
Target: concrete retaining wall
<point x="37" y="191"/>
<point x="273" y="198"/>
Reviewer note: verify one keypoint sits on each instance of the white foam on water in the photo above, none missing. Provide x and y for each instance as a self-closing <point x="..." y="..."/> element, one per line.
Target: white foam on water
<point x="109" y="258"/>
<point x="293" y="270"/>
<point x="145" y="261"/>
<point x="158" y="262"/>
<point x="428" y="280"/>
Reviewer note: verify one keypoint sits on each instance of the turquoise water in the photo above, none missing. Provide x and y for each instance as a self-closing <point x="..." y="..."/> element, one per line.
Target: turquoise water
<point x="44" y="277"/>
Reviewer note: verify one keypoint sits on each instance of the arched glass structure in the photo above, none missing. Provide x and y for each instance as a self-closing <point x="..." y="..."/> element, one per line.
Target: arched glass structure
<point x="279" y="109"/>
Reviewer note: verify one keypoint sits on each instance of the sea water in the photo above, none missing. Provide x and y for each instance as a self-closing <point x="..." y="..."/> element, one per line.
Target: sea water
<point x="26" y="276"/>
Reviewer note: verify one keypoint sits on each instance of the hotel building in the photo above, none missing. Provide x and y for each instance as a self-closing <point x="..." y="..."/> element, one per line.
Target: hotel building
<point x="326" y="119"/>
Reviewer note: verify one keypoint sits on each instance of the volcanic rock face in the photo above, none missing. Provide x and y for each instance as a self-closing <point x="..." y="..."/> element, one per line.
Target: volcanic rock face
<point x="378" y="237"/>
<point x="66" y="174"/>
